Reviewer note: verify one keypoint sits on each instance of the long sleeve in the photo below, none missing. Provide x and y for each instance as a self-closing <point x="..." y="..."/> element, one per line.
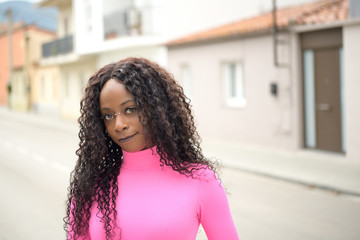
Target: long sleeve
<point x="215" y="215"/>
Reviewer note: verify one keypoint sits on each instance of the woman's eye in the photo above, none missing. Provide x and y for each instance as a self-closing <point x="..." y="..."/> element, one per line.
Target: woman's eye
<point x="108" y="116"/>
<point x="130" y="110"/>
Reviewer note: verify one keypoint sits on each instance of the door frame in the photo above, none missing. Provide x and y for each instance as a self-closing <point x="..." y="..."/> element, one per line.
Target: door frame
<point x="315" y="40"/>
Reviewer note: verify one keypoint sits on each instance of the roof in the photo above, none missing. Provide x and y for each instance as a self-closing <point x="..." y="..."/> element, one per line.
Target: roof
<point x="54" y="3"/>
<point x="15" y="26"/>
<point x="21" y="26"/>
<point x="323" y="11"/>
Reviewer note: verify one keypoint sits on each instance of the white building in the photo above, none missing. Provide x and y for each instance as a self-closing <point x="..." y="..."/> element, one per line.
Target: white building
<point x="301" y="94"/>
<point x="92" y="33"/>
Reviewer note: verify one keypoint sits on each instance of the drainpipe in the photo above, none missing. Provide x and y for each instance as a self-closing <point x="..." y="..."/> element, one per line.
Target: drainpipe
<point x="276" y="40"/>
<point x="27" y="69"/>
<point x="275" y="30"/>
<point x="10" y="48"/>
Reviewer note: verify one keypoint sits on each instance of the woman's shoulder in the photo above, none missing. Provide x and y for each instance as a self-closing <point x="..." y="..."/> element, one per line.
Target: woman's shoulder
<point x="203" y="172"/>
<point x="195" y="171"/>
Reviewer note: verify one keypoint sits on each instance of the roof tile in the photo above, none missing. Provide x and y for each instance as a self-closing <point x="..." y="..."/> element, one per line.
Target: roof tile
<point x="323" y="11"/>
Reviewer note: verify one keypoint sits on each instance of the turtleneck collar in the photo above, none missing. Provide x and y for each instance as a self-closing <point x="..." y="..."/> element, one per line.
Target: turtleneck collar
<point x="142" y="159"/>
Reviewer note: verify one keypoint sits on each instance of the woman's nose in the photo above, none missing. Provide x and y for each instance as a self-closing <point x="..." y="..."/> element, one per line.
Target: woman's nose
<point x="120" y="123"/>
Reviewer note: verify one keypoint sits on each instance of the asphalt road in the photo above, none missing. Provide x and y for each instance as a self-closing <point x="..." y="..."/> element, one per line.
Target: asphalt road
<point x="35" y="162"/>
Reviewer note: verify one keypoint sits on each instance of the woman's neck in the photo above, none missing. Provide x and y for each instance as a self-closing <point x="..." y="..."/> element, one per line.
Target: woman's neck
<point x="141" y="159"/>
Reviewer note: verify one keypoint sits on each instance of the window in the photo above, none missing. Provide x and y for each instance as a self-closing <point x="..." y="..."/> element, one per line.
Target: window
<point x="234" y="84"/>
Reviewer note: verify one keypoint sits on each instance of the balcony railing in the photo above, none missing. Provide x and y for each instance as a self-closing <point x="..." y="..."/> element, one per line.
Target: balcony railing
<point x="59" y="46"/>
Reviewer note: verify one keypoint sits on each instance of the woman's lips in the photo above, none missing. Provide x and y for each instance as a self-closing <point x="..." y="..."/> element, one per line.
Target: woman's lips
<point x="126" y="139"/>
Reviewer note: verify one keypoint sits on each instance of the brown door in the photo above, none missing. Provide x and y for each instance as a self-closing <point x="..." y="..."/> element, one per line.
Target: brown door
<point x="327" y="99"/>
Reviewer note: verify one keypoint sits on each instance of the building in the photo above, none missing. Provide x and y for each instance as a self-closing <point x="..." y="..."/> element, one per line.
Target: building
<point x="94" y="33"/>
<point x="20" y="75"/>
<point x="73" y="69"/>
<point x="290" y="87"/>
<point x="23" y="28"/>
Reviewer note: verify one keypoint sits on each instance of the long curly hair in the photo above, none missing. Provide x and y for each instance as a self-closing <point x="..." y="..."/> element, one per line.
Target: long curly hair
<point x="168" y="122"/>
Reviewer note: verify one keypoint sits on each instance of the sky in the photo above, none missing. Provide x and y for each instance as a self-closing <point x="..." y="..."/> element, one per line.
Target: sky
<point x="33" y="1"/>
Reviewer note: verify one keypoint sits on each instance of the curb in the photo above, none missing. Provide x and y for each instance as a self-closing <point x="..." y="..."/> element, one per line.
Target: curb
<point x="311" y="185"/>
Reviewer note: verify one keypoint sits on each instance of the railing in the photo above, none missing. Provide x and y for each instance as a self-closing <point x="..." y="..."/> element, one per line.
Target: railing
<point x="59" y="46"/>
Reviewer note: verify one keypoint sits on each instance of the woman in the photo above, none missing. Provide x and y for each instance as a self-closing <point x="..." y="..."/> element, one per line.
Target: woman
<point x="141" y="173"/>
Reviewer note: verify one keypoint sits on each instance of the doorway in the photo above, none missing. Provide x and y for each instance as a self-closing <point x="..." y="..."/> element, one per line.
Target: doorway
<point x="323" y="88"/>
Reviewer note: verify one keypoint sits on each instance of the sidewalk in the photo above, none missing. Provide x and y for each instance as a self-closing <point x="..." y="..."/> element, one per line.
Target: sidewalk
<point x="329" y="171"/>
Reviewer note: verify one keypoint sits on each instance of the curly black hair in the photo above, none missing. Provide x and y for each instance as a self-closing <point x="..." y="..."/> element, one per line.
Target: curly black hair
<point x="168" y="122"/>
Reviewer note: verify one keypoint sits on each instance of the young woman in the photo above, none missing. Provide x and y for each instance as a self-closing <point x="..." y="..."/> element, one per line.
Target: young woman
<point x="141" y="174"/>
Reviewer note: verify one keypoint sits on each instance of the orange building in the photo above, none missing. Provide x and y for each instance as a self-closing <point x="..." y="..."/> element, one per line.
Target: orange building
<point x="26" y="55"/>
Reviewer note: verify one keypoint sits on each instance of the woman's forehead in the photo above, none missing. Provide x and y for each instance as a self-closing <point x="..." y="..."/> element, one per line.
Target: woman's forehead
<point x="114" y="92"/>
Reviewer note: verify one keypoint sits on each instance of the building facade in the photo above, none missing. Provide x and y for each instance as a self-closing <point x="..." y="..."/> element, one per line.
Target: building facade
<point x="291" y="90"/>
<point x="18" y="78"/>
<point x="94" y="33"/>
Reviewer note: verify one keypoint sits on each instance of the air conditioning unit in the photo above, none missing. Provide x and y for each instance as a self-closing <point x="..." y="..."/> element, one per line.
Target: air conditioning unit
<point x="133" y="20"/>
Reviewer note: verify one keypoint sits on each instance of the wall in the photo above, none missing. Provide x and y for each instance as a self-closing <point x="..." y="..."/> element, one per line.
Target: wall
<point x="18" y="46"/>
<point x="46" y="90"/>
<point x="88" y="28"/>
<point x="19" y="95"/>
<point x="351" y="36"/>
<point x="155" y="53"/>
<point x="74" y="77"/>
<point x="4" y="69"/>
<point x="265" y="120"/>
<point x="65" y="15"/>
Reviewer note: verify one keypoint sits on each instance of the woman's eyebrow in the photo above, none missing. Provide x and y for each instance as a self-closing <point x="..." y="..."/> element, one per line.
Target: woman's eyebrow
<point x="122" y="104"/>
<point x="130" y="100"/>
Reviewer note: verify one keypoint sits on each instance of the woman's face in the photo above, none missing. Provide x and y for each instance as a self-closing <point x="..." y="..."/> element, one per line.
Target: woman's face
<point x="119" y="113"/>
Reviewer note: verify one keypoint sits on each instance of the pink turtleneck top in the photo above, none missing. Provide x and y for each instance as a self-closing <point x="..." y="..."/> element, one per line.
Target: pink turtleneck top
<point x="157" y="203"/>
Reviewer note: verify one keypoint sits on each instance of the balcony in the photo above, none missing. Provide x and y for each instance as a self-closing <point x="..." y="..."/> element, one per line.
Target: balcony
<point x="58" y="47"/>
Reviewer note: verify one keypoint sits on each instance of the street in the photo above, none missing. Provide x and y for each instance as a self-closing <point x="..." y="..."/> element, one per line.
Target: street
<point x="34" y="173"/>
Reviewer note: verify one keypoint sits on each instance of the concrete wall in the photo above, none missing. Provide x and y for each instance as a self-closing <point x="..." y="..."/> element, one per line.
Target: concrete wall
<point x="65" y="17"/>
<point x="265" y="119"/>
<point x="18" y="57"/>
<point x="46" y="90"/>
<point x="4" y="68"/>
<point x="88" y="28"/>
<point x="73" y="81"/>
<point x="155" y="53"/>
<point x="351" y="37"/>
<point x="19" y="95"/>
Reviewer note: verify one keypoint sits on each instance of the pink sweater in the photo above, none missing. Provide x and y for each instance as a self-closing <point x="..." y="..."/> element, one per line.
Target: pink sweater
<point x="158" y="203"/>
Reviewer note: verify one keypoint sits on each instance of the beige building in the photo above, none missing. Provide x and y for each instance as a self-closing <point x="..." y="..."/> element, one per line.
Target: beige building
<point x="293" y="88"/>
<point x="63" y="65"/>
<point x="46" y="91"/>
